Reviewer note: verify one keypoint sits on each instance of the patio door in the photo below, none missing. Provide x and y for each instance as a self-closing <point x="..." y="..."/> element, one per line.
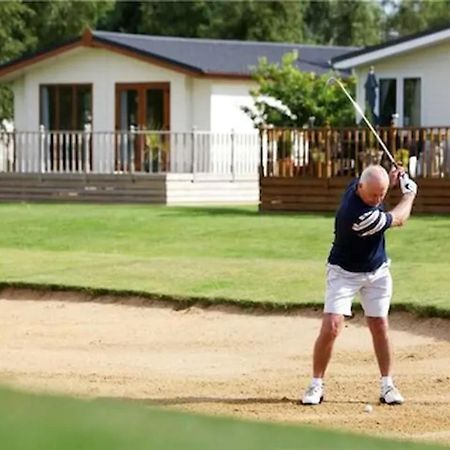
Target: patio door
<point x="142" y="113"/>
<point x="65" y="112"/>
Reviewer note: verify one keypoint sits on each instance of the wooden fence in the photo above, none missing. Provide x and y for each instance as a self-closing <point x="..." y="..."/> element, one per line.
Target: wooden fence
<point x="308" y="169"/>
<point x="324" y="194"/>
<point x="331" y="152"/>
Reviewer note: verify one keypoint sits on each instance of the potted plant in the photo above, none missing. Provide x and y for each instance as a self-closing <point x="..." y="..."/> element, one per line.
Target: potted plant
<point x="152" y="153"/>
<point x="284" y="153"/>
<point x="402" y="156"/>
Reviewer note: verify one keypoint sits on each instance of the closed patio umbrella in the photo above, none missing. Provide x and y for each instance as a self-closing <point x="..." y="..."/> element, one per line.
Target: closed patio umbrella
<point x="370" y="87"/>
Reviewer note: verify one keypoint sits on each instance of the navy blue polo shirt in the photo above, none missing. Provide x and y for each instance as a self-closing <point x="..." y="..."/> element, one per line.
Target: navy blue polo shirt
<point x="359" y="244"/>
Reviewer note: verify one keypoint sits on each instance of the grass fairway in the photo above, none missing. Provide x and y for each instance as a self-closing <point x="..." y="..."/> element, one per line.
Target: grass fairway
<point x="46" y="423"/>
<point x="231" y="253"/>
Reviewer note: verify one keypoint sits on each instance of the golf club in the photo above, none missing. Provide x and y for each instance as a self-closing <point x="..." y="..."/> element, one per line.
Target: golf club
<point x="332" y="80"/>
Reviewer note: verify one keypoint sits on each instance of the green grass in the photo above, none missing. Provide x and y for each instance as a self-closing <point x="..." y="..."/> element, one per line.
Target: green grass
<point x="233" y="253"/>
<point x="56" y="423"/>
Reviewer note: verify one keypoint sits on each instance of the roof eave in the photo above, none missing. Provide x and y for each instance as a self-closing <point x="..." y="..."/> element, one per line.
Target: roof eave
<point x="363" y="58"/>
<point x="227" y="75"/>
<point x="9" y="71"/>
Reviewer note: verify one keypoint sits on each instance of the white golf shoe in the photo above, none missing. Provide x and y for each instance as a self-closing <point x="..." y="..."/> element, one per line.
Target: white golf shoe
<point x="390" y="395"/>
<point x="313" y="395"/>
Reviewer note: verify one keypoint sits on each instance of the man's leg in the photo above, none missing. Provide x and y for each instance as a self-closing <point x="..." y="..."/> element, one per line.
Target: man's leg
<point x="378" y="327"/>
<point x="331" y="327"/>
<point x="342" y="286"/>
<point x="376" y="297"/>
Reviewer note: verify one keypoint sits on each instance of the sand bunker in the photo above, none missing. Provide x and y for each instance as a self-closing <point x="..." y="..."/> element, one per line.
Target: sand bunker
<point x="220" y="361"/>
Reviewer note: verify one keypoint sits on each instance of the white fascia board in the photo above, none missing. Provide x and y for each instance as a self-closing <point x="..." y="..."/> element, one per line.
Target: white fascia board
<point x="392" y="50"/>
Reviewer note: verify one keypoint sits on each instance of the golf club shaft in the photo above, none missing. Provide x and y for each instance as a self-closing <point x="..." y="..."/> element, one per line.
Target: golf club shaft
<point x="372" y="129"/>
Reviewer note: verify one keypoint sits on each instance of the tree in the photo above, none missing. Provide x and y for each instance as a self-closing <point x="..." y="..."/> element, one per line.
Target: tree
<point x="244" y="20"/>
<point x="54" y="22"/>
<point x="26" y="26"/>
<point x="344" y="22"/>
<point x="124" y="17"/>
<point x="306" y="95"/>
<point x="276" y="21"/>
<point x="175" y="18"/>
<point x="15" y="38"/>
<point x="412" y="16"/>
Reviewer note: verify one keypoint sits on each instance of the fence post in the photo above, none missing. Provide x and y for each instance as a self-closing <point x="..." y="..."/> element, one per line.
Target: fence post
<point x="129" y="165"/>
<point x="261" y="153"/>
<point x="86" y="148"/>
<point x="41" y="148"/>
<point x="328" y="151"/>
<point x="194" y="150"/>
<point x="233" y="169"/>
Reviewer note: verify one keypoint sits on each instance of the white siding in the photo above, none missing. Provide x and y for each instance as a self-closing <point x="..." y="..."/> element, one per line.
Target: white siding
<point x="18" y="88"/>
<point x="432" y="66"/>
<point x="201" y="104"/>
<point x="227" y="98"/>
<point x="201" y="189"/>
<point x="103" y="69"/>
<point x="206" y="104"/>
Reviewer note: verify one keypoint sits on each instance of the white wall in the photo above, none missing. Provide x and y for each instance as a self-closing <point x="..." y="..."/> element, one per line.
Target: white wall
<point x="207" y="104"/>
<point x="103" y="69"/>
<point x="432" y="65"/>
<point x="227" y="97"/>
<point x="18" y="88"/>
<point x="200" y="91"/>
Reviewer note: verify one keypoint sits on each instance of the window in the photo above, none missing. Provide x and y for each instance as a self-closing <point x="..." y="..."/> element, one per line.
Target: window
<point x="65" y="106"/>
<point x="411" y="102"/>
<point x="388" y="100"/>
<point x="155" y="109"/>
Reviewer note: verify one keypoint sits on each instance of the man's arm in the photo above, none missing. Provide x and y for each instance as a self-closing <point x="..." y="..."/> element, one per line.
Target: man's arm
<point x="400" y="213"/>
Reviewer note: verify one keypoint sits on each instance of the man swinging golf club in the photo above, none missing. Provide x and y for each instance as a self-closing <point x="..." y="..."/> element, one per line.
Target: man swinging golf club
<point x="358" y="264"/>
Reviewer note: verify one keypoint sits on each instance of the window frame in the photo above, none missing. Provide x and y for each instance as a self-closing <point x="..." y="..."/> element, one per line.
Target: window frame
<point x="412" y="77"/>
<point x="56" y="104"/>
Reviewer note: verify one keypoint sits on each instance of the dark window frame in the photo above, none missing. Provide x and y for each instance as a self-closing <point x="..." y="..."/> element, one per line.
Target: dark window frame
<point x="405" y="81"/>
<point x="141" y="88"/>
<point x="386" y="122"/>
<point x="56" y="103"/>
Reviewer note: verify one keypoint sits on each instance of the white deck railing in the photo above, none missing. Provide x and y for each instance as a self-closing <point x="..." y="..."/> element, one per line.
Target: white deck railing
<point x="130" y="152"/>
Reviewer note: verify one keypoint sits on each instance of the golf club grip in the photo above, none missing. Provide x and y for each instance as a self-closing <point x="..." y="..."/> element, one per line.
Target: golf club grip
<point x="371" y="128"/>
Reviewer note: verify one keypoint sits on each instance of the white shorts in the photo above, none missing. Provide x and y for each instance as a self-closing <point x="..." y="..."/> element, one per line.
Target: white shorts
<point x="375" y="289"/>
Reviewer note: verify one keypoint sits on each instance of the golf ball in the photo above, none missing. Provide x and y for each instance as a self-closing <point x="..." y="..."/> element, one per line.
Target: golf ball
<point x="368" y="408"/>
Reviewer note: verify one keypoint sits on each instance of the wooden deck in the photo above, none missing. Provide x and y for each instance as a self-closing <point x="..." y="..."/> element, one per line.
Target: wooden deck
<point x="323" y="194"/>
<point x="173" y="189"/>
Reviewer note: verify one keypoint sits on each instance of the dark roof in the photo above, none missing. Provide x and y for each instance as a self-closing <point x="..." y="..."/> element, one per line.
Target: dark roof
<point x="211" y="56"/>
<point x="389" y="43"/>
<point x="201" y="56"/>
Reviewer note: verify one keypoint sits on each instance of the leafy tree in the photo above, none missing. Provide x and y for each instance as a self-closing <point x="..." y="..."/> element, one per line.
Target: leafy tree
<point x="26" y="26"/>
<point x="344" y="22"/>
<point x="306" y="95"/>
<point x="56" y="21"/>
<point x="412" y="16"/>
<point x="276" y="21"/>
<point x="175" y="18"/>
<point x="15" y="38"/>
<point x="124" y="17"/>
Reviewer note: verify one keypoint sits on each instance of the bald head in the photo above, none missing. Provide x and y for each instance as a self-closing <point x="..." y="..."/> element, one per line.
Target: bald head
<point x="374" y="175"/>
<point x="373" y="185"/>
